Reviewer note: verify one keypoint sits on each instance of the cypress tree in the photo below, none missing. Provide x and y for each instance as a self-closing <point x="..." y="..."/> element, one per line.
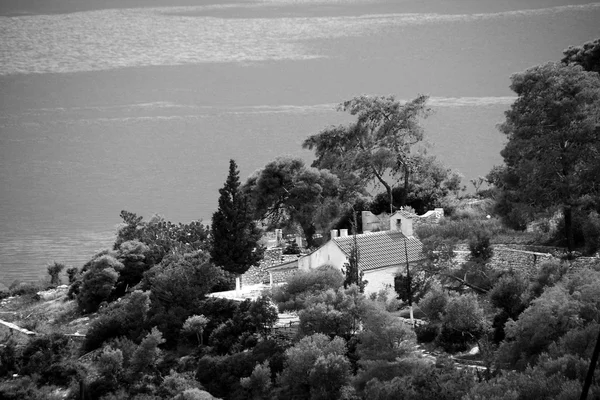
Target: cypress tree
<point x="234" y="233"/>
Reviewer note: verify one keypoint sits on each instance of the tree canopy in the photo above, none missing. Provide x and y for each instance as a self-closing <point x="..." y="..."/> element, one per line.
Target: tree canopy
<point x="553" y="150"/>
<point x="377" y="148"/>
<point x="234" y="233"/>
<point x="287" y="192"/>
<point x="587" y="55"/>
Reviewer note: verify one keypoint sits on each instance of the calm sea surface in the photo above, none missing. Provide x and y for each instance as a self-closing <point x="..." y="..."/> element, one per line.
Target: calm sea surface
<point x="139" y="105"/>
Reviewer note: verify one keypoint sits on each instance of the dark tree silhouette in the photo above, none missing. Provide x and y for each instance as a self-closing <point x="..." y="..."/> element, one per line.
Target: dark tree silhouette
<point x="234" y="232"/>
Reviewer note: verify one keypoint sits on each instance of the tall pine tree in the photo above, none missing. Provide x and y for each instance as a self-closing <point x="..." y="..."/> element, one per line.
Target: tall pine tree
<point x="235" y="235"/>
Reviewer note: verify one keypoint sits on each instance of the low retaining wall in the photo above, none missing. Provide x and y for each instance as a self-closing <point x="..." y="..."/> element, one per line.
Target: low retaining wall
<point x="505" y="257"/>
<point x="517" y="257"/>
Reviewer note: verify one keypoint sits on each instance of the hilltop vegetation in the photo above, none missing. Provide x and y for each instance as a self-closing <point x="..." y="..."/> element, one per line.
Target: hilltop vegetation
<point x="154" y="332"/>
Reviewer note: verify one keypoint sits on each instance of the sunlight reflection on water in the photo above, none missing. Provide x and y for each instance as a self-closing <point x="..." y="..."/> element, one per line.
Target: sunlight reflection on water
<point x="106" y="39"/>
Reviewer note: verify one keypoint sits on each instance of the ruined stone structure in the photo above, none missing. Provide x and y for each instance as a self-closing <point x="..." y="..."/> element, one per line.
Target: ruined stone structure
<point x="275" y="267"/>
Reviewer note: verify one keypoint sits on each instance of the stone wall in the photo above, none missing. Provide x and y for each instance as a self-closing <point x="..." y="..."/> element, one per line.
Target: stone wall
<point x="507" y="257"/>
<point x="282" y="275"/>
<point x="272" y="257"/>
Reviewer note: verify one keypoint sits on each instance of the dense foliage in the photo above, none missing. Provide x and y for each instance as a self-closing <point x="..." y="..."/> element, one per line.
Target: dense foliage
<point x="234" y="233"/>
<point x="155" y="332"/>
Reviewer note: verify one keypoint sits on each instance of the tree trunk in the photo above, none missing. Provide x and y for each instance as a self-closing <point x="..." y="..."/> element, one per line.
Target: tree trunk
<point x="387" y="187"/>
<point x="590" y="374"/>
<point x="409" y="286"/>
<point x="568" y="215"/>
<point x="405" y="191"/>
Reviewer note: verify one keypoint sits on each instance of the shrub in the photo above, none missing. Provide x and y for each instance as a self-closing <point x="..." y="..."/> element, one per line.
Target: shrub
<point x="384" y="336"/>
<point x="42" y="354"/>
<point x="292" y="295"/>
<point x="18" y="288"/>
<point x="591" y="233"/>
<point x="221" y="375"/>
<point x="507" y="294"/>
<point x="126" y="318"/>
<point x="9" y="358"/>
<point x="195" y="325"/>
<point x="461" y="230"/>
<point x="217" y="310"/>
<point x="135" y="257"/>
<point x="258" y="384"/>
<point x="98" y="283"/>
<point x="463" y="323"/>
<point x="177" y="286"/>
<point x="63" y="373"/>
<point x="434" y="304"/>
<point x="301" y="366"/>
<point x="547" y="319"/>
<point x="19" y="389"/>
<point x="252" y="318"/>
<point x="72" y="274"/>
<point x="110" y="363"/>
<point x="54" y="271"/>
<point x="176" y="383"/>
<point x="292" y="248"/>
<point x="480" y="248"/>
<point x="147" y="355"/>
<point x="427" y="333"/>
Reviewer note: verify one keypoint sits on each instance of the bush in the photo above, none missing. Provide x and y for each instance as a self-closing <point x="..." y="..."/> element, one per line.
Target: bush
<point x="463" y="323"/>
<point x="136" y="259"/>
<point x="176" y="383"/>
<point x="591" y="233"/>
<point x="19" y="389"/>
<point x="54" y="271"/>
<point x="311" y="355"/>
<point x="18" y="288"/>
<point x="72" y="274"/>
<point x="292" y="296"/>
<point x="177" y="286"/>
<point x="126" y="318"/>
<point x="251" y="319"/>
<point x="292" y="248"/>
<point x="221" y="375"/>
<point x="480" y="248"/>
<point x="461" y="230"/>
<point x="98" y="283"/>
<point x="218" y="311"/>
<point x="64" y="373"/>
<point x="427" y="333"/>
<point x="42" y="354"/>
<point x="9" y="358"/>
<point x="433" y="305"/>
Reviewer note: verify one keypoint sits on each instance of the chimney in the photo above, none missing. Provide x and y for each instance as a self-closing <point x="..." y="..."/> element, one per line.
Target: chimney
<point x="334" y="233"/>
<point x="343" y="232"/>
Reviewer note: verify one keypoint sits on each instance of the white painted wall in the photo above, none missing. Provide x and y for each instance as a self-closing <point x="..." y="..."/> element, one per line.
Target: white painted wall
<point x="329" y="253"/>
<point x="380" y="279"/>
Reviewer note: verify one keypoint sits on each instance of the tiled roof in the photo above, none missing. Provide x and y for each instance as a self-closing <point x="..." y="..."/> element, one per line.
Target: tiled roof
<point x="284" y="265"/>
<point x="382" y="249"/>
